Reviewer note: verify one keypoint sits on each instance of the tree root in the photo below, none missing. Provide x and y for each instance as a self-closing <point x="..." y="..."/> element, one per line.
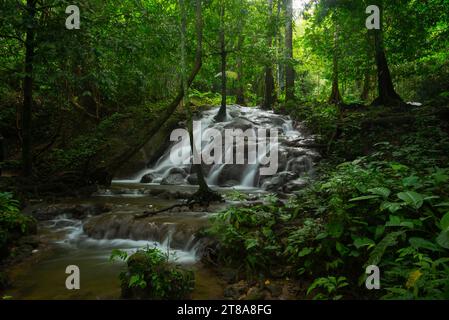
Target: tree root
<point x="203" y="198"/>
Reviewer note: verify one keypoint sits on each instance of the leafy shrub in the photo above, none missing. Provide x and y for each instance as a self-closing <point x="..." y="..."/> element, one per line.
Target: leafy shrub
<point x="149" y="275"/>
<point x="13" y="224"/>
<point x="247" y="237"/>
<point x="389" y="209"/>
<point x="330" y="285"/>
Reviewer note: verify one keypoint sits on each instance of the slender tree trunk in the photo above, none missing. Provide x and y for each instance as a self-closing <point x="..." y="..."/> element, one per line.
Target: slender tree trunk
<point x="2" y="152"/>
<point x="28" y="89"/>
<point x="335" y="97"/>
<point x="221" y="116"/>
<point x="280" y="46"/>
<point x="240" y="94"/>
<point x="387" y="93"/>
<point x="289" y="70"/>
<point x="269" y="95"/>
<point x="366" y="86"/>
<point x="204" y="192"/>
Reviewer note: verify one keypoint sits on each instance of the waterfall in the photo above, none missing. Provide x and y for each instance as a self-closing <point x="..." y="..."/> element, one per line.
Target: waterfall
<point x="295" y="161"/>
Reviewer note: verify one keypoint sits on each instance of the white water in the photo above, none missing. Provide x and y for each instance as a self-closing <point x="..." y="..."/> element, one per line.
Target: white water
<point x="76" y="239"/>
<point x="247" y="175"/>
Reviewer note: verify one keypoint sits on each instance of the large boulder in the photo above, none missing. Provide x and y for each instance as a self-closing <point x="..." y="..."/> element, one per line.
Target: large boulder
<point x="192" y="179"/>
<point x="278" y="182"/>
<point x="148" y="178"/>
<point x="231" y="172"/>
<point x="176" y="176"/>
<point x="173" y="179"/>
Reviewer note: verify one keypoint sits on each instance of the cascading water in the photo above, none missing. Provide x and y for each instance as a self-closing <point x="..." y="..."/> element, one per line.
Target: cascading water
<point x="294" y="161"/>
<point x="87" y="240"/>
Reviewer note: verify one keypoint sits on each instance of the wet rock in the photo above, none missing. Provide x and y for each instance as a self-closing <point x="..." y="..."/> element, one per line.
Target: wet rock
<point x="255" y="293"/>
<point x="239" y="123"/>
<point x="76" y="211"/>
<point x="235" y="291"/>
<point x="155" y="192"/>
<point x="275" y="289"/>
<point x="176" y="176"/>
<point x="278" y="182"/>
<point x="148" y="178"/>
<point x="295" y="185"/>
<point x="231" y="173"/>
<point x="193" y="179"/>
<point x="173" y="179"/>
<point x="230" y="183"/>
<point x="157" y="228"/>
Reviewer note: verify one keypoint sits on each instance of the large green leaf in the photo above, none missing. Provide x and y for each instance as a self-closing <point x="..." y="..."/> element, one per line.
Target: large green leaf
<point x="420" y="243"/>
<point x="390" y="206"/>
<point x="444" y="223"/>
<point x="363" y="242"/>
<point x="443" y="239"/>
<point x="364" y="198"/>
<point x="412" y="199"/>
<point x="381" y="191"/>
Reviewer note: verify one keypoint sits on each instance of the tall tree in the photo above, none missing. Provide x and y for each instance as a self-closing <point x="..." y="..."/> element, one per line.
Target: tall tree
<point x="221" y="116"/>
<point x="335" y="97"/>
<point x="240" y="91"/>
<point x="386" y="91"/>
<point x="30" y="21"/>
<point x="204" y="193"/>
<point x="269" y="93"/>
<point x="289" y="69"/>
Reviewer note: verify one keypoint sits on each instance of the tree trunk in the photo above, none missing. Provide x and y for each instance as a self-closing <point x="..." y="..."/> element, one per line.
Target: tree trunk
<point x="289" y="70"/>
<point x="28" y="89"/>
<point x="280" y="46"/>
<point x="366" y="86"/>
<point x="335" y="97"/>
<point x="269" y="95"/>
<point x="221" y="116"/>
<point x="240" y="92"/>
<point x="2" y="152"/>
<point x="204" y="193"/>
<point x="387" y="93"/>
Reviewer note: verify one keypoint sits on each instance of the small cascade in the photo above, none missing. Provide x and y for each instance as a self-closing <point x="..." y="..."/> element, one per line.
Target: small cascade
<point x="182" y="248"/>
<point x="294" y="161"/>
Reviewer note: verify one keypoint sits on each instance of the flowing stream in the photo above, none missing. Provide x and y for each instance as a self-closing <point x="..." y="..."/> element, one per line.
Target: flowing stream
<point x="88" y="240"/>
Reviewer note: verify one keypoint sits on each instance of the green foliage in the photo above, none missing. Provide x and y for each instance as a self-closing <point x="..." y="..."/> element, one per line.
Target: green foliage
<point x="236" y="195"/>
<point x="13" y="224"/>
<point x="149" y="275"/>
<point x="246" y="236"/>
<point x="389" y="208"/>
<point x="331" y="287"/>
<point x="320" y="118"/>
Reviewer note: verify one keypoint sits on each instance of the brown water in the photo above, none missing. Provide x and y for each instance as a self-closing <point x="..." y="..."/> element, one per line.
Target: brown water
<point x="67" y="244"/>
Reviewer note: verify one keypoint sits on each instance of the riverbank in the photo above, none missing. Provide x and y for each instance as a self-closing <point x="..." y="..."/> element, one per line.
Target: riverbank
<point x="379" y="198"/>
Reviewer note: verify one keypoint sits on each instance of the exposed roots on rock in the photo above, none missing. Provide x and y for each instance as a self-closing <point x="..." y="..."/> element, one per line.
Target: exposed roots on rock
<point x="201" y="197"/>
